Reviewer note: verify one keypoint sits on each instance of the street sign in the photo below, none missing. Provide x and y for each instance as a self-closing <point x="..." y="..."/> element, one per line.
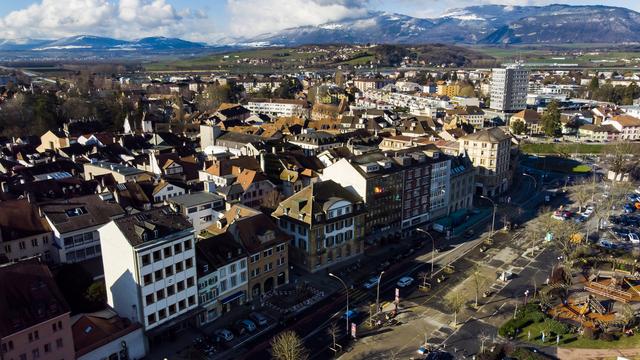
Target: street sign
<point x="353" y="330"/>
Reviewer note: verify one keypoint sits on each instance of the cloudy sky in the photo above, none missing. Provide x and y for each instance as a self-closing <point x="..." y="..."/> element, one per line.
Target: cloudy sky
<point x="210" y="20"/>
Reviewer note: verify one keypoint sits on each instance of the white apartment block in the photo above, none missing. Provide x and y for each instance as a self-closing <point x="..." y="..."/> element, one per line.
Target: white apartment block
<point x="509" y="88"/>
<point x="202" y="209"/>
<point x="279" y="107"/>
<point x="149" y="269"/>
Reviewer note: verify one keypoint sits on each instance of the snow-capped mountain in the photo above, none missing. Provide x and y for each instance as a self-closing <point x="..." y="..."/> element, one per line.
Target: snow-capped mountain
<point x="97" y="43"/>
<point x="475" y="24"/>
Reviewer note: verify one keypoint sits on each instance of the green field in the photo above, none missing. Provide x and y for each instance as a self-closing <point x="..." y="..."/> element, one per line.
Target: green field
<point x="574" y="340"/>
<point x="571" y="148"/>
<point x="563" y="54"/>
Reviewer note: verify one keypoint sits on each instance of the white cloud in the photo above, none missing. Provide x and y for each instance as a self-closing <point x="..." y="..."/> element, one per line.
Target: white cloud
<point x="125" y="19"/>
<point x="253" y="17"/>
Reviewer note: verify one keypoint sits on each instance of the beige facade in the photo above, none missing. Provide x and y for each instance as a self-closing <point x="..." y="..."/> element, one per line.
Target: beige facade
<point x="489" y="151"/>
<point x="48" y="340"/>
<point x="53" y="141"/>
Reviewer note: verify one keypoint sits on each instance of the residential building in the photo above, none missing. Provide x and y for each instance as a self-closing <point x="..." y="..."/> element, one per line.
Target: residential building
<point x="326" y="224"/>
<point x="266" y="246"/>
<point x="164" y="190"/>
<point x="35" y="321"/>
<point x="449" y="90"/>
<point x="490" y="152"/>
<point x="222" y="276"/>
<point x="105" y="335"/>
<point x="471" y="115"/>
<point x="53" y="140"/>
<point x="462" y="184"/>
<point x="23" y="232"/>
<point x="627" y="125"/>
<point x="149" y="270"/>
<point x="202" y="209"/>
<point x="121" y="173"/>
<point x="509" y="88"/>
<point x="378" y="181"/>
<point x="532" y="120"/>
<point x="279" y="107"/>
<point x="315" y="142"/>
<point x="598" y="133"/>
<point x="365" y="84"/>
<point x="75" y="225"/>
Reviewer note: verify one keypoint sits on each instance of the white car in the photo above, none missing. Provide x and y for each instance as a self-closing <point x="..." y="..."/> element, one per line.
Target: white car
<point x="404" y="281"/>
<point x="371" y="283"/>
<point x="633" y="238"/>
<point x="224" y="334"/>
<point x="588" y="211"/>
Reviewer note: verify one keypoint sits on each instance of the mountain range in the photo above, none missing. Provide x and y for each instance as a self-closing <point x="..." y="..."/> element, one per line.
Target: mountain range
<point x="97" y="43"/>
<point x="483" y="24"/>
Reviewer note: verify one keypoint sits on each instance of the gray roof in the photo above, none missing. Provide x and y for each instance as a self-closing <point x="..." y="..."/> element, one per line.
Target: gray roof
<point x="193" y="199"/>
<point x="156" y="224"/>
<point x="488" y="135"/>
<point x="80" y="212"/>
<point x="119" y="168"/>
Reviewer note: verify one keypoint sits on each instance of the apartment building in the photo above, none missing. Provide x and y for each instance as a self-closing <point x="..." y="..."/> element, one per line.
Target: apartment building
<point x="121" y="173"/>
<point x="202" y="209"/>
<point x="326" y="224"/>
<point x="462" y="184"/>
<point x="35" y="321"/>
<point x="105" y="335"/>
<point x="627" y="125"/>
<point x="315" y="142"/>
<point x="279" y="107"/>
<point x="75" y="223"/>
<point x="509" y="88"/>
<point x="149" y="270"/>
<point x="378" y="180"/>
<point x="222" y="276"/>
<point x="490" y="152"/>
<point x="23" y="232"/>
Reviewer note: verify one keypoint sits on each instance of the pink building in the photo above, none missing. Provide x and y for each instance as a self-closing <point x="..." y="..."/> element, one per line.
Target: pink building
<point x="34" y="321"/>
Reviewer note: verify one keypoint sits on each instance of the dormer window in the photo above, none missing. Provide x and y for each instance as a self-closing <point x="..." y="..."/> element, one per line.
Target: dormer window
<point x="155" y="234"/>
<point x="144" y="237"/>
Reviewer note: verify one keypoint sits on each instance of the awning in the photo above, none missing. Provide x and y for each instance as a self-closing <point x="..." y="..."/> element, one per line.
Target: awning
<point x="230" y="298"/>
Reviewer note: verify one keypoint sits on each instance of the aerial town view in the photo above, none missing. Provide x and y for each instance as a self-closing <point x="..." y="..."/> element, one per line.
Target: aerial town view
<point x="319" y="179"/>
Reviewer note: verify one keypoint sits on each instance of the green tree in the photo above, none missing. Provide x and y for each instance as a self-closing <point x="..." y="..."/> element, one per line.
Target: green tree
<point x="467" y="91"/>
<point x="594" y="85"/>
<point x="518" y="127"/>
<point x="96" y="293"/>
<point x="551" y="120"/>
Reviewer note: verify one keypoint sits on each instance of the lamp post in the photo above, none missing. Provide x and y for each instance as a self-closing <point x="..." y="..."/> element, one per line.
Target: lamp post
<point x="535" y="182"/>
<point x="378" y="293"/>
<point x="346" y="289"/>
<point x="493" y="220"/>
<point x="433" y="248"/>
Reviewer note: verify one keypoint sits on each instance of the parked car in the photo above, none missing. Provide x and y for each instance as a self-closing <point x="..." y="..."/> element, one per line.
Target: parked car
<point x="628" y="208"/>
<point x="633" y="238"/>
<point x="248" y="325"/>
<point x="371" y="283"/>
<point x="353" y="314"/>
<point x="404" y="281"/>
<point x="223" y="334"/>
<point x="259" y="319"/>
<point x="606" y="244"/>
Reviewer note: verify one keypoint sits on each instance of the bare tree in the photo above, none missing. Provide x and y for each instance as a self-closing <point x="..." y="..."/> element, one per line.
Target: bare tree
<point x="582" y="194"/>
<point x="483" y="337"/>
<point x="628" y="316"/>
<point x="288" y="346"/>
<point x="332" y="330"/>
<point x="478" y="281"/>
<point x="617" y="156"/>
<point x="424" y="276"/>
<point x="454" y="303"/>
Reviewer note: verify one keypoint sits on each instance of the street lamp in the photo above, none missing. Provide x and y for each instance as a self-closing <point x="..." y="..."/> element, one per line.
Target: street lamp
<point x="378" y="293"/>
<point x="493" y="221"/>
<point x="346" y="289"/>
<point x="433" y="248"/>
<point x="535" y="182"/>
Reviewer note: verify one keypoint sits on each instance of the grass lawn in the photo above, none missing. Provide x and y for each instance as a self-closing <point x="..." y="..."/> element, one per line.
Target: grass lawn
<point x="576" y="341"/>
<point x="556" y="148"/>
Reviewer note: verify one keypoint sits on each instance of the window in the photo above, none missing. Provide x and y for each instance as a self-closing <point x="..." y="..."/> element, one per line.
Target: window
<point x="243" y="264"/>
<point x="188" y="263"/>
<point x="168" y="271"/>
<point x="151" y="319"/>
<point x="147" y="279"/>
<point x="192" y="210"/>
<point x="146" y="260"/>
<point x="21" y="245"/>
<point x="171" y="290"/>
<point x="268" y="252"/>
<point x="177" y="248"/>
<point x="181" y="304"/>
<point x="179" y="266"/>
<point x="35" y="353"/>
<point x="149" y="299"/>
<point x="162" y="314"/>
<point x="281" y="261"/>
<point x="187" y="245"/>
<point x="47" y="348"/>
<point x="255" y="257"/>
<point x="158" y="275"/>
<point x="167" y="252"/>
<point x="280" y="248"/>
<point x="232" y="268"/>
<point x="172" y="309"/>
<point x="223" y="272"/>
<point x="59" y="343"/>
<point x="157" y="256"/>
<point x="160" y="294"/>
<point x="34" y="242"/>
<point x="190" y="282"/>
<point x="268" y="267"/>
<point x="192" y="300"/>
<point x="7" y="248"/>
<point x="243" y="276"/>
<point x="180" y="285"/>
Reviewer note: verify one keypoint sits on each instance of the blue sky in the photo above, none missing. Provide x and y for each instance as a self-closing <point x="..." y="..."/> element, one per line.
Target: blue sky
<point x="211" y="20"/>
